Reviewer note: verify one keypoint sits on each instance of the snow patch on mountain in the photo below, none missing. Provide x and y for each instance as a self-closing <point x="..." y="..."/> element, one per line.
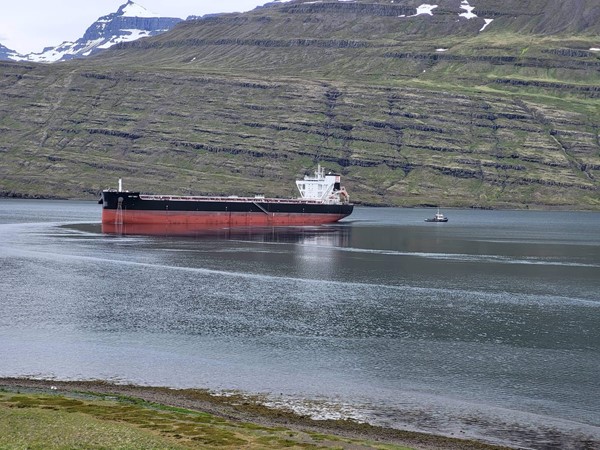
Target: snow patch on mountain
<point x="467" y="7"/>
<point x="487" y="22"/>
<point x="469" y="14"/>
<point x="131" y="9"/>
<point x="133" y="35"/>
<point x="425" y="8"/>
<point x="7" y="53"/>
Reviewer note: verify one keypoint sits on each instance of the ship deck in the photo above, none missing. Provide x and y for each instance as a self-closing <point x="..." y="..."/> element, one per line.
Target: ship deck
<point x="233" y="199"/>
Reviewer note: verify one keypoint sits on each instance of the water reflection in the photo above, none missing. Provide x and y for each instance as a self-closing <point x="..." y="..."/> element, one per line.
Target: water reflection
<point x="333" y="236"/>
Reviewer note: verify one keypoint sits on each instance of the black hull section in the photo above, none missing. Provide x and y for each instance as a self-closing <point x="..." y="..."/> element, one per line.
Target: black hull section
<point x="132" y="201"/>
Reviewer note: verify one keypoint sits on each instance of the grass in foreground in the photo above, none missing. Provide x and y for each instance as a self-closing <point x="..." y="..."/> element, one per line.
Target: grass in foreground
<point x="40" y="421"/>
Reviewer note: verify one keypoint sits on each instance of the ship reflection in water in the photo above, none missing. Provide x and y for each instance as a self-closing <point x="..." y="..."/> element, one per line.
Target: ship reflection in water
<point x="327" y="235"/>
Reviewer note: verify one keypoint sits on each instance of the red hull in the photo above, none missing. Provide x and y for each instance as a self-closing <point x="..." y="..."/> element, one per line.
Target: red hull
<point x="230" y="219"/>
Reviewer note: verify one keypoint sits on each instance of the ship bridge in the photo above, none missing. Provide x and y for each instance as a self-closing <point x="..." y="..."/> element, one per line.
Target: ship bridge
<point x="323" y="187"/>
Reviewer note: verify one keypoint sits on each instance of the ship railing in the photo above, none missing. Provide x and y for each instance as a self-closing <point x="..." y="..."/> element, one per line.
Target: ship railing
<point x="179" y="198"/>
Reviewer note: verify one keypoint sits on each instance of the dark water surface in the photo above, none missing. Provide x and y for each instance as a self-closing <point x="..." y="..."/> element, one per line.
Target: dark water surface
<point x="487" y="326"/>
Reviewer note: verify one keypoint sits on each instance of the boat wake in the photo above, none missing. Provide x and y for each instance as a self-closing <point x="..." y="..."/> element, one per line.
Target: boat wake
<point x="465" y="257"/>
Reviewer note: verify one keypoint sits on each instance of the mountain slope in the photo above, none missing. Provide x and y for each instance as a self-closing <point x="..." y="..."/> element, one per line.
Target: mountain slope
<point x="411" y="107"/>
<point x="6" y="53"/>
<point x="129" y="23"/>
<point x="323" y="34"/>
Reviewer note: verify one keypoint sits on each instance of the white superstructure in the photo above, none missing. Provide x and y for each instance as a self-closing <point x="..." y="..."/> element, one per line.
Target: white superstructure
<point x="325" y="188"/>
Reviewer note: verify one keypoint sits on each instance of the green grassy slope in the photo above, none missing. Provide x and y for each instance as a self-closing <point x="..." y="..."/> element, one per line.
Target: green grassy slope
<point x="244" y="103"/>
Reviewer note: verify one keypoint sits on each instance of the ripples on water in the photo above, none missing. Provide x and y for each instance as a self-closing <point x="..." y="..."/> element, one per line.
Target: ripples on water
<point x="484" y="324"/>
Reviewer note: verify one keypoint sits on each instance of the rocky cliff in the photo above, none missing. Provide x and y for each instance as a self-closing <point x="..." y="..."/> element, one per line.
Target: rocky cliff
<point x="412" y="105"/>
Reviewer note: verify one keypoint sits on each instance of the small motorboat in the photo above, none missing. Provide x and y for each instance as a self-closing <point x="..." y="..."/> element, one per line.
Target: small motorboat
<point x="439" y="217"/>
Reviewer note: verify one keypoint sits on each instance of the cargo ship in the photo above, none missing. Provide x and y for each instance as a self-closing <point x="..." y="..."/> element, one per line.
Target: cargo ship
<point x="322" y="200"/>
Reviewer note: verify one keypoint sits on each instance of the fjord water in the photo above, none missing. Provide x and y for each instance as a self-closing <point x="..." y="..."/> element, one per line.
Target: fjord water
<point x="487" y="326"/>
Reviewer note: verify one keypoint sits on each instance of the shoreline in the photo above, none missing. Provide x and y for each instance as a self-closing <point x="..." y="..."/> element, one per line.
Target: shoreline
<point x="237" y="408"/>
<point x="504" y="207"/>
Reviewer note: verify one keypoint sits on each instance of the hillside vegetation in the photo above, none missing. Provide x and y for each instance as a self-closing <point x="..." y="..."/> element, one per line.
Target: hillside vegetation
<point x="422" y="110"/>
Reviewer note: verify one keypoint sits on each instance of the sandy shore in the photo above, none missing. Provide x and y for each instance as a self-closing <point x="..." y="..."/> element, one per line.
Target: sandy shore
<point x="237" y="408"/>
